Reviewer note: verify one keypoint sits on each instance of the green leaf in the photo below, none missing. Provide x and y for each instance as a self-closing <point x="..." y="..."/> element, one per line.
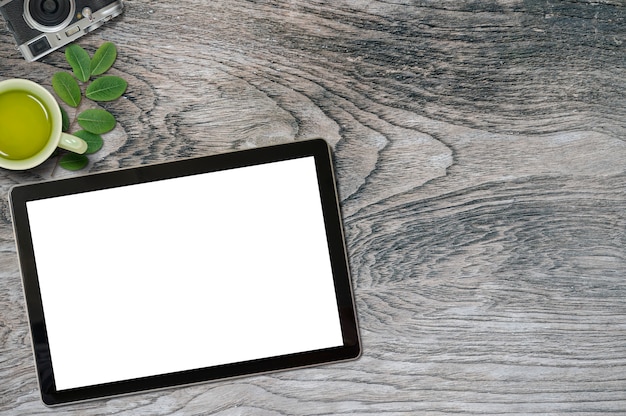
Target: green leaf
<point x="103" y="59"/>
<point x="107" y="88"/>
<point x="94" y="141"/>
<point x="79" y="60"/>
<point x="66" y="88"/>
<point x="65" y="120"/>
<point x="96" y="121"/>
<point x="73" y="161"/>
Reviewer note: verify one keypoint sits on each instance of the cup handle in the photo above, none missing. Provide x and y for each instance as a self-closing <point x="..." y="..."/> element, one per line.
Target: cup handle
<point x="72" y="143"/>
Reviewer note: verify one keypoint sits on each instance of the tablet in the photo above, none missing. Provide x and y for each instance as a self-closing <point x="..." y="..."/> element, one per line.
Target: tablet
<point x="184" y="272"/>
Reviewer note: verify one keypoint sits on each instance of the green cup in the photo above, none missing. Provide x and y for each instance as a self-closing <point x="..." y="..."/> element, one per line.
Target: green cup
<point x="30" y="126"/>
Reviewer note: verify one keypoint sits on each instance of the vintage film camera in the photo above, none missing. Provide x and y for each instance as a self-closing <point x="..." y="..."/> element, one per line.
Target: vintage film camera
<point x="42" y="26"/>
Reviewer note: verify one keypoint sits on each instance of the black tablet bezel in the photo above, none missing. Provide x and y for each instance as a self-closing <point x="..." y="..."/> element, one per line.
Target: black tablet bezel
<point x="317" y="148"/>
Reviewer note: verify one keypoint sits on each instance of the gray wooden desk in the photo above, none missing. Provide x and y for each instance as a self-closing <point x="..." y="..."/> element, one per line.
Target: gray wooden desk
<point x="481" y="157"/>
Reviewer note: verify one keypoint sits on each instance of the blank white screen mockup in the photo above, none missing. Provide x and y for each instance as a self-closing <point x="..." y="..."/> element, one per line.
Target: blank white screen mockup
<point x="184" y="273"/>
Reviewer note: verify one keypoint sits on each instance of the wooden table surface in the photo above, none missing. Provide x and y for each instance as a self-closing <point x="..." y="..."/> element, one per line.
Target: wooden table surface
<point x="481" y="156"/>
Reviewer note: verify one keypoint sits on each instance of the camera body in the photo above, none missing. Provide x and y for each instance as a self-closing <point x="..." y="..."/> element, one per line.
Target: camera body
<point x="42" y="26"/>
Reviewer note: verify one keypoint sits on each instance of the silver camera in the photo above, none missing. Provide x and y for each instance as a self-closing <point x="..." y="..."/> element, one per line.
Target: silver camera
<point x="42" y="26"/>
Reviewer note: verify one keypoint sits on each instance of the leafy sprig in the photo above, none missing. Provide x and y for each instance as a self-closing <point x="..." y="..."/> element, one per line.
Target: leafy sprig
<point x="93" y="121"/>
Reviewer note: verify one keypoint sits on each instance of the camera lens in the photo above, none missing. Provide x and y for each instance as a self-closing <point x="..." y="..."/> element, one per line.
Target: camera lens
<point x="48" y="15"/>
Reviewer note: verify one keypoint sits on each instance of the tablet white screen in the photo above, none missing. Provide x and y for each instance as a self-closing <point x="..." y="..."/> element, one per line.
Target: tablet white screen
<point x="184" y="273"/>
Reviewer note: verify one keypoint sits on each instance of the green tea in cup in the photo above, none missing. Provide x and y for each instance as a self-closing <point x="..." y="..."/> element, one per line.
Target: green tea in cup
<point x="30" y="125"/>
<point x="25" y="125"/>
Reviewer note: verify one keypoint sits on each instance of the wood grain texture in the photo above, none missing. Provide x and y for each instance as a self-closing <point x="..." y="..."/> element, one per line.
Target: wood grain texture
<point x="481" y="156"/>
